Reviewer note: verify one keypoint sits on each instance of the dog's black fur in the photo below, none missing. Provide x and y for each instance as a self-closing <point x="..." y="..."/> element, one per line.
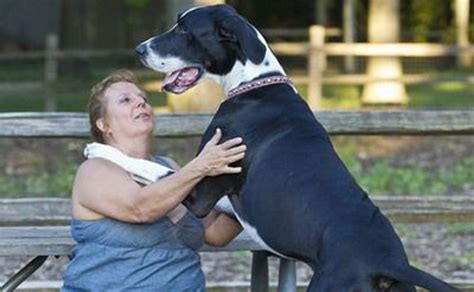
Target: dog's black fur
<point x="294" y="189"/>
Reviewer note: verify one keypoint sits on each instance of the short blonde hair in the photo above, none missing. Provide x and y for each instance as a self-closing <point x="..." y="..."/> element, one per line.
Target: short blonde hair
<point x="96" y="105"/>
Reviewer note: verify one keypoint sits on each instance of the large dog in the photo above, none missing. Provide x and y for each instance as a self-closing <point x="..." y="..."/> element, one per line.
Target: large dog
<point x="294" y="194"/>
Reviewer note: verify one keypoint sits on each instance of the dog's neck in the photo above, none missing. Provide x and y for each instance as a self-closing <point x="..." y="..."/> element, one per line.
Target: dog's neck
<point x="243" y="73"/>
<point x="258" y="83"/>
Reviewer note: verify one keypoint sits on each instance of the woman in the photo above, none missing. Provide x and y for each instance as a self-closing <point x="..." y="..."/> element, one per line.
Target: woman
<point x="134" y="237"/>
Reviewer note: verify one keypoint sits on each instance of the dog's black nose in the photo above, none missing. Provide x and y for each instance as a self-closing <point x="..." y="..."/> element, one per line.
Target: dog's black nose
<point x="141" y="49"/>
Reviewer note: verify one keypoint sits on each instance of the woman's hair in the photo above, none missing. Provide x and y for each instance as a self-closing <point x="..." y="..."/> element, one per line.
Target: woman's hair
<point x="97" y="101"/>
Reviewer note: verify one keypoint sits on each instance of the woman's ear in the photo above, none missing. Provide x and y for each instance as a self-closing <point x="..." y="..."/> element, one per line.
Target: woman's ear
<point x="101" y="125"/>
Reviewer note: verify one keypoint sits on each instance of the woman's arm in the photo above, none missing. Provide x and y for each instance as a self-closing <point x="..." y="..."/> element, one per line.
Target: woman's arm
<point x="105" y="189"/>
<point x="220" y="228"/>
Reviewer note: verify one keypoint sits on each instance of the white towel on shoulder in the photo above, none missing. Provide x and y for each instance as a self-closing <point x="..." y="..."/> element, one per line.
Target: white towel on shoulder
<point x="141" y="170"/>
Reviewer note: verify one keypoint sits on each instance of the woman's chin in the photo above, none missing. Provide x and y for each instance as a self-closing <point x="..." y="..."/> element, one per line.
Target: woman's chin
<point x="146" y="130"/>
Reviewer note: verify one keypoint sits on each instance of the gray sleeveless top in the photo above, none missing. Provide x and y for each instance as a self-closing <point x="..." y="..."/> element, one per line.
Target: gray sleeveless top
<point x="111" y="255"/>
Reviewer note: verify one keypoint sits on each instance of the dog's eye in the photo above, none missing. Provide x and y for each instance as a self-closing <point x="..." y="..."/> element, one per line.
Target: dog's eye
<point x="181" y="30"/>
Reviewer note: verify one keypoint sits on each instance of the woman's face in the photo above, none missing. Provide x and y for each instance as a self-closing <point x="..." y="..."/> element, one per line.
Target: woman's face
<point x="127" y="112"/>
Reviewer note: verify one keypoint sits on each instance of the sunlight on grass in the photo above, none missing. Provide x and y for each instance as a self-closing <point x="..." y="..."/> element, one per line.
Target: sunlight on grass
<point x="451" y="86"/>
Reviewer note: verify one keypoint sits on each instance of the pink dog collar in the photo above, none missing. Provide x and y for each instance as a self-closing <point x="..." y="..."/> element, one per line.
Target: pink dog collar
<point x="257" y="84"/>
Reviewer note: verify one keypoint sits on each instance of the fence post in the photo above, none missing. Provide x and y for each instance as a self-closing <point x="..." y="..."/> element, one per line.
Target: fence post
<point x="287" y="276"/>
<point x="50" y="71"/>
<point x="259" y="277"/>
<point x="317" y="63"/>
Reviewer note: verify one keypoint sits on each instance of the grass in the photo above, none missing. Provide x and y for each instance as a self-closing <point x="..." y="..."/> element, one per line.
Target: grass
<point x="460" y="263"/>
<point x="382" y="178"/>
<point x="461" y="229"/>
<point x="40" y="183"/>
<point x="436" y="95"/>
<point x="65" y="101"/>
<point x="445" y="94"/>
<point x="449" y="94"/>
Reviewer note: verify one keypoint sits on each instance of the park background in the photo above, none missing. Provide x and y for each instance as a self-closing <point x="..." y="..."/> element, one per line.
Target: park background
<point x="53" y="51"/>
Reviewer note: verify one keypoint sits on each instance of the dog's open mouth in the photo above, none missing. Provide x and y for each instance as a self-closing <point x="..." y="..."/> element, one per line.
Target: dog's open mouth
<point x="181" y="80"/>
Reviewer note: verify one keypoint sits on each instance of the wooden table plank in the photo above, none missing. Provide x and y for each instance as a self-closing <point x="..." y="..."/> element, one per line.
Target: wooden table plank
<point x="57" y="240"/>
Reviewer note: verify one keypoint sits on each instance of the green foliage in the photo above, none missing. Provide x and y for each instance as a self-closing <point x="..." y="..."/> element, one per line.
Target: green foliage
<point x="137" y="4"/>
<point x="421" y="20"/>
<point x="460" y="263"/>
<point x="57" y="183"/>
<point x="425" y="17"/>
<point x="462" y="229"/>
<point x="441" y="94"/>
<point x="72" y="100"/>
<point x="382" y="178"/>
<point x="405" y="232"/>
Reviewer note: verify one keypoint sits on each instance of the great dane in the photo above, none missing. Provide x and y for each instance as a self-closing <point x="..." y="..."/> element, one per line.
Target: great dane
<point x="294" y="194"/>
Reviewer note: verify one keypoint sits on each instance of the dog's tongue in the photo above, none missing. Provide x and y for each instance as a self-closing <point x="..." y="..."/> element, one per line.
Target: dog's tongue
<point x="170" y="79"/>
<point x="181" y="77"/>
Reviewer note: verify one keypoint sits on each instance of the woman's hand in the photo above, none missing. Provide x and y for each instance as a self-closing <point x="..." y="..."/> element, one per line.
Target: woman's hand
<point x="215" y="158"/>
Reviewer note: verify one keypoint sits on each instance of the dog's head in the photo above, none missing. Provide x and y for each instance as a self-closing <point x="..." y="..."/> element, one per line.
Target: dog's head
<point x="206" y="42"/>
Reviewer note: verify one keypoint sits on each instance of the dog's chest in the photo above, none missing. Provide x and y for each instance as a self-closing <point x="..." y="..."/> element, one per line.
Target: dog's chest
<point x="226" y="206"/>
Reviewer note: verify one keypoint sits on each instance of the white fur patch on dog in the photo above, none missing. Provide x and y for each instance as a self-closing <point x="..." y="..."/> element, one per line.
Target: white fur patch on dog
<point x="224" y="205"/>
<point x="165" y="64"/>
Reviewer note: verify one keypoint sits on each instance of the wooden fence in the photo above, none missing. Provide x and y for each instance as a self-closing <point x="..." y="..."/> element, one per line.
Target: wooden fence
<point x="38" y="227"/>
<point x="316" y="50"/>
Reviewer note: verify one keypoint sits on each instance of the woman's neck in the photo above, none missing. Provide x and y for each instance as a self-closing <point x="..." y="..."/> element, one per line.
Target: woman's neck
<point x="136" y="148"/>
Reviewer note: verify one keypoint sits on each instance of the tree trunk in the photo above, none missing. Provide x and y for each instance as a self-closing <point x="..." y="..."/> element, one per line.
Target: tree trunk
<point x="384" y="27"/>
<point x="174" y="7"/>
<point x="208" y="2"/>
<point x="110" y="30"/>
<point x="462" y="31"/>
<point x="320" y="13"/>
<point x="75" y="34"/>
<point x="349" y="25"/>
<point x="72" y="32"/>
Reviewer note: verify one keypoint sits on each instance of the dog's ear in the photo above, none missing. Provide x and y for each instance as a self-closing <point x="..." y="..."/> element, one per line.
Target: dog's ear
<point x="236" y="30"/>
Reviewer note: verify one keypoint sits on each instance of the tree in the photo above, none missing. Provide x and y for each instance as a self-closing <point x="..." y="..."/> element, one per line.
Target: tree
<point x="384" y="27"/>
<point x="462" y="31"/>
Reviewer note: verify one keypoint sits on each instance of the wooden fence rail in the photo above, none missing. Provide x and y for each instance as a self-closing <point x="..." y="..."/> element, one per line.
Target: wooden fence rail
<point x="399" y="122"/>
<point x="371" y="50"/>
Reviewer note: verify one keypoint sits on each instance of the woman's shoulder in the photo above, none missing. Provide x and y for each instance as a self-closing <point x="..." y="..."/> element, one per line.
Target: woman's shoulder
<point x="93" y="163"/>
<point x="98" y="167"/>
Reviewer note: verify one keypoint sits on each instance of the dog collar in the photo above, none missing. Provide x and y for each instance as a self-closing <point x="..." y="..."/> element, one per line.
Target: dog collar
<point x="257" y="83"/>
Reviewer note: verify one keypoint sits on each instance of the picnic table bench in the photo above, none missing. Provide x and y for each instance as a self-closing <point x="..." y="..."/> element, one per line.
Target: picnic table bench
<point x="39" y="227"/>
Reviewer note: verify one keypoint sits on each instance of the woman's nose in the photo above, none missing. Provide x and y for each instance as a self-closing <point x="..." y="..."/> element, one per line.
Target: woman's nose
<point x="139" y="102"/>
